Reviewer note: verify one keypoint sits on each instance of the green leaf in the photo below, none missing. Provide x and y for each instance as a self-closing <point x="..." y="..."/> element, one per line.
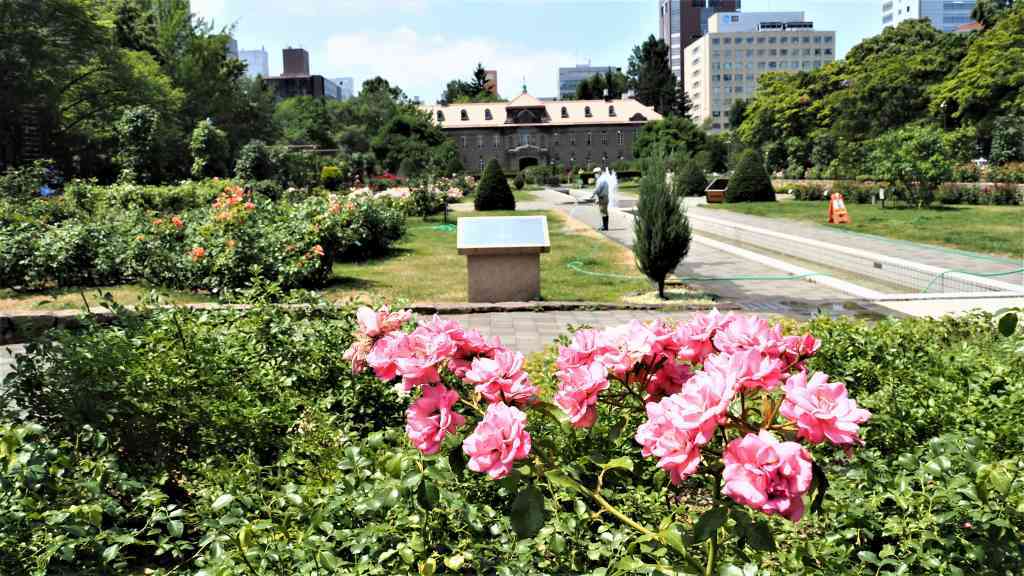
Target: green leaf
<point x="455" y="562"/>
<point x="427" y="495"/>
<point x="563" y="480"/>
<point x="223" y="501"/>
<point x="110" y="552"/>
<point x="730" y="570"/>
<point x="527" y="512"/>
<point x="411" y="481"/>
<point x="293" y="499"/>
<point x="709" y="523"/>
<point x="457" y="459"/>
<point x="620" y="463"/>
<point x="175" y="527"/>
<point x="759" y="537"/>
<point x="1008" y="324"/>
<point x="674" y="537"/>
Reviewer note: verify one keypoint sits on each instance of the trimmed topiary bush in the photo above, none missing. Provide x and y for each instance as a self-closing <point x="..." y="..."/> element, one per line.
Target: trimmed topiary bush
<point x="520" y="181"/>
<point x="661" y="228"/>
<point x="750" y="181"/>
<point x="493" y="193"/>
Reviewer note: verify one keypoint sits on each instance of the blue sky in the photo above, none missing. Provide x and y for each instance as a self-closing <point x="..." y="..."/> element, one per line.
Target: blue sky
<point x="421" y="44"/>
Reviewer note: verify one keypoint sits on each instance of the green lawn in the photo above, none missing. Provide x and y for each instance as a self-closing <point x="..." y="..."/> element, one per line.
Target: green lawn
<point x="988" y="229"/>
<point x="425" y="267"/>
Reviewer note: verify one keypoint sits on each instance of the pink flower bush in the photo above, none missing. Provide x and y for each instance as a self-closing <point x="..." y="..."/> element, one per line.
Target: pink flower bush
<point x="499" y="440"/>
<point x="767" y="475"/>
<point x="431" y="417"/>
<point x="577" y="392"/>
<point x="718" y="392"/>
<point x="501" y="378"/>
<point x="822" y="410"/>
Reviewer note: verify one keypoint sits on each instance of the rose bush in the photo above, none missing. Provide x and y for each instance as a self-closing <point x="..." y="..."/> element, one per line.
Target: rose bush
<point x="725" y="396"/>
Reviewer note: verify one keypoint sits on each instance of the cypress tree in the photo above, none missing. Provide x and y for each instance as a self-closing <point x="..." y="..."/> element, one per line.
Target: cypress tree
<point x="661" y="229"/>
<point x="750" y="181"/>
<point x="689" y="179"/>
<point x="493" y="192"/>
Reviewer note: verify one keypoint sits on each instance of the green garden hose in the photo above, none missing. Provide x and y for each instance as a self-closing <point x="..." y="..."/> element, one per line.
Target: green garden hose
<point x="982" y="274"/>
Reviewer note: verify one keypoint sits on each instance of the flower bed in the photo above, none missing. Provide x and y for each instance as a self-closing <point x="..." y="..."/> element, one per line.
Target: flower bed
<point x="87" y="239"/>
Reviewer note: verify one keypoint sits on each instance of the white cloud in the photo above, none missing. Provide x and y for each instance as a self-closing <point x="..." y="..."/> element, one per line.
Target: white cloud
<point x="422" y="65"/>
<point x="209" y="9"/>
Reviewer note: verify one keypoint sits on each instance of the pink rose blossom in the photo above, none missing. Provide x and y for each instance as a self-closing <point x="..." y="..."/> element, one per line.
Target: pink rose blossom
<point x="767" y="475"/>
<point x="471" y="345"/>
<point x="751" y="368"/>
<point x="586" y="346"/>
<point x="822" y="409"/>
<point x="633" y="344"/>
<point x="578" y="388"/>
<point x="797" y="348"/>
<point x="498" y="441"/>
<point x="357" y="352"/>
<point x="426" y="351"/>
<point x="668" y="380"/>
<point x="378" y="323"/>
<point x="430" y="418"/>
<point x="678" y="425"/>
<point x="693" y="340"/>
<point x="501" y="378"/>
<point x="382" y="358"/>
<point x="749" y="332"/>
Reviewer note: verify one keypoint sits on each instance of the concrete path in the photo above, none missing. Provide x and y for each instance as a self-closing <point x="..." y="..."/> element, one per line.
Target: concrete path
<point x="938" y="256"/>
<point x="754" y="286"/>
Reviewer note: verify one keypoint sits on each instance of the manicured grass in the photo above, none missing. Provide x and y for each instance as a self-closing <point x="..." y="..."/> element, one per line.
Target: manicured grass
<point x="988" y="229"/>
<point x="425" y="266"/>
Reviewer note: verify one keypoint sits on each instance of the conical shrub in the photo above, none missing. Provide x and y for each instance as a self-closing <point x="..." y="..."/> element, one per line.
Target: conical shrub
<point x="661" y="228"/>
<point x="750" y="181"/>
<point x="493" y="192"/>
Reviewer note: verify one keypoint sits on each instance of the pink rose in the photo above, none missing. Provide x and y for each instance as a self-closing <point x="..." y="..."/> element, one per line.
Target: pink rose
<point x="822" y="409"/>
<point x="471" y="345"/>
<point x="382" y="358"/>
<point x="578" y="388"/>
<point x="668" y="380"/>
<point x="498" y="441"/>
<point x="378" y="323"/>
<point x="797" y="348"/>
<point x="586" y="345"/>
<point x="678" y="425"/>
<point x="357" y="352"/>
<point x="693" y="339"/>
<point x="749" y="332"/>
<point x="633" y="344"/>
<point x="767" y="475"/>
<point x="426" y="351"/>
<point x="501" y="378"/>
<point x="430" y="418"/>
<point x="750" y="368"/>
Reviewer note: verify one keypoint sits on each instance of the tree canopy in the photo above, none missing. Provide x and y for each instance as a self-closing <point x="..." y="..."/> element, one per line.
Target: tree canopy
<point x="652" y="79"/>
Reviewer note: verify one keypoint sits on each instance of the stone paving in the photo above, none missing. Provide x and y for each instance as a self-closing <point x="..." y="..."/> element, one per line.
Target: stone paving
<point x="915" y="252"/>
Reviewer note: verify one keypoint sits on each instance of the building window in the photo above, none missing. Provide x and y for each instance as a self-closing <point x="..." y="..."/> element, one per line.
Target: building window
<point x="586" y="112"/>
<point x="806" y="39"/>
<point x="760" y="39"/>
<point x="760" y="65"/>
<point x="715" y="41"/>
<point x="565" y="112"/>
<point x="783" y="52"/>
<point x="717" y="114"/>
<point x="556" y="138"/>
<point x="621" y="139"/>
<point x="772" y="65"/>
<point x="611" y="111"/>
<point x="750" y="39"/>
<point x="572" y="138"/>
<point x="727" y="40"/>
<point x="440" y="116"/>
<point x="589" y="139"/>
<point x="727" y="77"/>
<point x="487" y="114"/>
<point x="497" y="140"/>
<point x="604" y="137"/>
<point x="481" y="163"/>
<point x="828" y="51"/>
<point x="771" y="40"/>
<point x="784" y="40"/>
<point x="463" y="141"/>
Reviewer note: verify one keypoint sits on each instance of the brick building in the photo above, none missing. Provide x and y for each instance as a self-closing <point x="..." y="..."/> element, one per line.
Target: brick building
<point x="527" y="131"/>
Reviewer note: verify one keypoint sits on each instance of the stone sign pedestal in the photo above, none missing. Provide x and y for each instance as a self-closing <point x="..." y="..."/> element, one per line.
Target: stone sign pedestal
<point x="503" y="256"/>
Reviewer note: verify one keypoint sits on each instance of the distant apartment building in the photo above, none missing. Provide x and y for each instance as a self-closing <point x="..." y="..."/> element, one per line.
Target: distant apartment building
<point x="570" y="78"/>
<point x="945" y="15"/>
<point x="681" y="22"/>
<point x="297" y="81"/>
<point x="346" y="86"/>
<point x="725" y="65"/>
<point x="232" y="48"/>
<point x="257" y="63"/>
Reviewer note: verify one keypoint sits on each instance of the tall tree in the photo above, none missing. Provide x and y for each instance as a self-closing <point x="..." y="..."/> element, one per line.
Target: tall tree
<point x="661" y="229"/>
<point x="651" y="76"/>
<point x="473" y="90"/>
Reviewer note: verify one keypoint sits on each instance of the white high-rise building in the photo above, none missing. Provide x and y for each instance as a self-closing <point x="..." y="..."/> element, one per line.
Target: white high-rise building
<point x="945" y="15"/>
<point x="726" y="63"/>
<point x="570" y="78"/>
<point x="346" y="86"/>
<point x="257" y="63"/>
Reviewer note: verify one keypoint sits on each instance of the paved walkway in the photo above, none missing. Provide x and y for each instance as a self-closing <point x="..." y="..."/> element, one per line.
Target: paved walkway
<point x="773" y="291"/>
<point x="938" y="256"/>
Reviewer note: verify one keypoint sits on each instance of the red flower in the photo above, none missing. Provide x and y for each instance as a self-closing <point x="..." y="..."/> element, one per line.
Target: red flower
<point x="178" y="223"/>
<point x="318" y="250"/>
<point x="198" y="253"/>
<point x="158" y="221"/>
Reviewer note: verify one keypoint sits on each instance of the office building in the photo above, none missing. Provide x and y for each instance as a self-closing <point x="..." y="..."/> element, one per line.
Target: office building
<point x="232" y="48"/>
<point x="257" y="63"/>
<point x="681" y="22"/>
<point x="346" y="86"/>
<point x="945" y="15"/>
<point x="570" y="78"/>
<point x="724" y="65"/>
<point x="297" y="81"/>
<point x="528" y="131"/>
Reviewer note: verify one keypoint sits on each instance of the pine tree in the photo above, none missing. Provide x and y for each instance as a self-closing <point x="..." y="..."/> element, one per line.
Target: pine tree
<point x="493" y="192"/>
<point x="661" y="229"/>
<point x="688" y="179"/>
<point x="750" y="181"/>
<point x="651" y="76"/>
